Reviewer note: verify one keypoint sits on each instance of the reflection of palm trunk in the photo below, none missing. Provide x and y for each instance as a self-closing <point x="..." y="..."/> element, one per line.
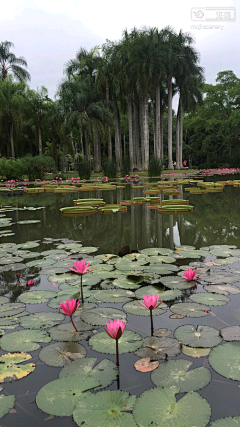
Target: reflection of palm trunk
<point x="159" y="230"/>
<point x="97" y="152"/>
<point x="171" y="231"/>
<point x="133" y="229"/>
<point x="147" y="226"/>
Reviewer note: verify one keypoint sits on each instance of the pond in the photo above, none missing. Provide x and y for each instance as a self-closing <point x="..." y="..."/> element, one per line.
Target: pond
<point x="56" y="242"/>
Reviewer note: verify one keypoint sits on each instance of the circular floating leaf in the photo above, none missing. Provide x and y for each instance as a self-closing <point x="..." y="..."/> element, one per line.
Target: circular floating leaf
<point x="224" y="359"/>
<point x="4" y="300"/>
<point x="40" y="263"/>
<point x="190" y="309"/>
<point x="157" y="348"/>
<point x="222" y="289"/>
<point x="6" y="403"/>
<point x="60" y="397"/>
<point x="54" y="252"/>
<point x="84" y="250"/>
<point x="24" y="340"/>
<point x="100" y="315"/>
<point x="36" y="297"/>
<point x="28" y="245"/>
<point x="129" y="342"/>
<point x="66" y="332"/>
<point x="11" y="309"/>
<point x="162" y="333"/>
<point x="195" y="352"/>
<point x="105" y="371"/>
<point x="145" y="290"/>
<point x="156" y="251"/>
<point x="61" y="353"/>
<point x="202" y="336"/>
<point x="209" y="299"/>
<point x="232" y="333"/>
<point x="127" y="283"/>
<point x="158" y="407"/>
<point x="105" y="409"/>
<point x="10" y="260"/>
<point x="9" y="368"/>
<point x="174" y="373"/>
<point x="144" y="365"/>
<point x="176" y="282"/>
<point x="226" y="422"/>
<point x="133" y="307"/>
<point x="115" y="295"/>
<point x="54" y="302"/>
<point x="41" y="320"/>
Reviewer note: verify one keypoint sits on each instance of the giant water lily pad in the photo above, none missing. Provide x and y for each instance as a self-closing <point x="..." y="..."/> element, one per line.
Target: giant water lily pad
<point x="84" y="250"/>
<point x="100" y="315"/>
<point x="105" y="371"/>
<point x="145" y="290"/>
<point x="133" y="307"/>
<point x="226" y="422"/>
<point x="115" y="295"/>
<point x="231" y="333"/>
<point x="60" y="397"/>
<point x="209" y="299"/>
<point x="61" y="353"/>
<point x="11" y="309"/>
<point x="25" y="340"/>
<point x="41" y="320"/>
<point x="224" y="359"/>
<point x="190" y="309"/>
<point x="129" y="342"/>
<point x="105" y="409"/>
<point x="66" y="332"/>
<point x="176" y="373"/>
<point x="157" y="348"/>
<point x="158" y="407"/>
<point x="201" y="336"/>
<point x="36" y="297"/>
<point x="222" y="289"/>
<point x="6" y="403"/>
<point x="10" y="369"/>
<point x="176" y="282"/>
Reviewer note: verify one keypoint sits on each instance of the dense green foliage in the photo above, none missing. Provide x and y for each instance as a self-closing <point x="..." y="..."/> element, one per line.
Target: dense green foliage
<point x="32" y="167"/>
<point x="84" y="168"/>
<point x="155" y="167"/>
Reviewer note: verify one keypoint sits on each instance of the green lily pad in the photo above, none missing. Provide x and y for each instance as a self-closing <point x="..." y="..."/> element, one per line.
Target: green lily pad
<point x="105" y="409"/>
<point x="61" y="353"/>
<point x="36" y="297"/>
<point x="54" y="252"/>
<point x="133" y="307"/>
<point x="190" y="309"/>
<point x="224" y="359"/>
<point x="29" y="221"/>
<point x="9" y="323"/>
<point x="226" y="422"/>
<point x="195" y="352"/>
<point x="11" y="309"/>
<point x="41" y="320"/>
<point x="60" y="397"/>
<point x="222" y="289"/>
<point x="128" y="283"/>
<point x="10" y="260"/>
<point x="55" y="301"/>
<point x="6" y="403"/>
<point x="24" y="340"/>
<point x="162" y="332"/>
<point x="209" y="299"/>
<point x="105" y="371"/>
<point x="176" y="373"/>
<point x="100" y="315"/>
<point x="69" y="246"/>
<point x="176" y="282"/>
<point x="129" y="342"/>
<point x="40" y="263"/>
<point x="66" y="332"/>
<point x="231" y="333"/>
<point x="4" y="300"/>
<point x="202" y="336"/>
<point x="28" y="245"/>
<point x="85" y="306"/>
<point x="156" y="251"/>
<point x="159" y="407"/>
<point x="157" y="347"/>
<point x="84" y="250"/>
<point x="145" y="290"/>
<point x="10" y="369"/>
<point x="114" y="295"/>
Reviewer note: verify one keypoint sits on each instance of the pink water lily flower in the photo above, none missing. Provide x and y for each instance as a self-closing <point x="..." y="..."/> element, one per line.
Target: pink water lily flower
<point x="151" y="301"/>
<point x="81" y="267"/>
<point x="190" y="274"/>
<point x="115" y="330"/>
<point x="30" y="283"/>
<point x="69" y="307"/>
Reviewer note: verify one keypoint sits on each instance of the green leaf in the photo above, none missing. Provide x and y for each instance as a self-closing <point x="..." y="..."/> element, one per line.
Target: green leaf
<point x="222" y="289"/>
<point x="156" y="251"/>
<point x="11" y="309"/>
<point x="128" y="283"/>
<point x="201" y="336"/>
<point x="209" y="299"/>
<point x="41" y="320"/>
<point x="100" y="315"/>
<point x="195" y="352"/>
<point x="6" y="403"/>
<point x="105" y="371"/>
<point x="176" y="373"/>
<point x="105" y="409"/>
<point x="24" y="340"/>
<point x="226" y="422"/>
<point x="61" y="353"/>
<point x="190" y="309"/>
<point x="60" y="397"/>
<point x="66" y="332"/>
<point x="129" y="342"/>
<point x="114" y="295"/>
<point x="10" y="369"/>
<point x="176" y="282"/>
<point x="28" y="245"/>
<point x="231" y="333"/>
<point x="36" y="297"/>
<point x="156" y="348"/>
<point x="224" y="359"/>
<point x="40" y="263"/>
<point x="134" y="307"/>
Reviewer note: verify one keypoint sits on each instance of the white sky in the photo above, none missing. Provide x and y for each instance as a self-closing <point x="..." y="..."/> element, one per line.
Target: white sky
<point x="48" y="33"/>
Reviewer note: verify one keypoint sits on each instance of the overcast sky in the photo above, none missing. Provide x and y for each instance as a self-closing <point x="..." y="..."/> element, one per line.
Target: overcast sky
<point x="48" y="33"/>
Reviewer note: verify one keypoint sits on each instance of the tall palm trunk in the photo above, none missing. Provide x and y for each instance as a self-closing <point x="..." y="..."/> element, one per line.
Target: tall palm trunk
<point x="54" y="139"/>
<point x="118" y="144"/>
<point x="177" y="139"/>
<point x="130" y="127"/>
<point x="145" y="132"/>
<point x="170" y="162"/>
<point x="180" y="131"/>
<point x="85" y="144"/>
<point x="136" y="136"/>
<point x="40" y="141"/>
<point x="157" y="150"/>
<point x="97" y="152"/>
<point x="11" y="141"/>
<point x="161" y="133"/>
<point x="109" y="128"/>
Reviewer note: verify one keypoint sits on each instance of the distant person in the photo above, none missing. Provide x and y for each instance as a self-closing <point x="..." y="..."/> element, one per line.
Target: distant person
<point x="174" y="165"/>
<point x="185" y="163"/>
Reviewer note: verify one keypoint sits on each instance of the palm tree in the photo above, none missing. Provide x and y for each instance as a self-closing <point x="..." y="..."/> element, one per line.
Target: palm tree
<point x="8" y="61"/>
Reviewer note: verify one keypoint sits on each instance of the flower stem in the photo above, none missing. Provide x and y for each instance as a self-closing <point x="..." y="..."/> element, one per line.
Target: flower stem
<point x="117" y="354"/>
<point x="82" y="290"/>
<point x="73" y="324"/>
<point x="151" y="322"/>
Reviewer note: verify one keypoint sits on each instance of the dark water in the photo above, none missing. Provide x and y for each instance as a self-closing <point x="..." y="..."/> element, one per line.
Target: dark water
<point x="215" y="220"/>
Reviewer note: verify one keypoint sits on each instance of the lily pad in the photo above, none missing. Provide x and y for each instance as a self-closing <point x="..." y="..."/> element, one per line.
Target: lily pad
<point x="28" y="245"/>
<point x="100" y="315"/>
<point x="10" y="369"/>
<point x="41" y="320"/>
<point x="11" y="309"/>
<point x="128" y="283"/>
<point x="190" y="309"/>
<point x="222" y="289"/>
<point x="162" y="332"/>
<point x="224" y="359"/>
<point x="195" y="352"/>
<point x="157" y="348"/>
<point x="36" y="297"/>
<point x="105" y="371"/>
<point x="66" y="332"/>
<point x="144" y="365"/>
<point x="61" y="297"/>
<point x="133" y="307"/>
<point x="84" y="250"/>
<point x="176" y="373"/>
<point x="61" y="353"/>
<point x="25" y="340"/>
<point x="156" y="251"/>
<point x="176" y="282"/>
<point x="226" y="422"/>
<point x="202" y="336"/>
<point x="6" y="403"/>
<point x="129" y="342"/>
<point x="41" y="263"/>
<point x="60" y="397"/>
<point x="209" y="299"/>
<point x="105" y="409"/>
<point x="159" y="407"/>
<point x="114" y="295"/>
<point x="3" y="300"/>
<point x="231" y="333"/>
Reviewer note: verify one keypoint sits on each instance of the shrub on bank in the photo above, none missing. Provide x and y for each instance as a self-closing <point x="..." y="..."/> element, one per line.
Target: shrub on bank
<point x="155" y="166"/>
<point x="33" y="167"/>
<point x="84" y="168"/>
<point x="109" y="168"/>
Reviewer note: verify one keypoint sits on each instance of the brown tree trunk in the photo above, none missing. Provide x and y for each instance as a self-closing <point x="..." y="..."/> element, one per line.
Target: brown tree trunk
<point x="97" y="152"/>
<point x="109" y="128"/>
<point x="11" y="141"/>
<point x="118" y="144"/>
<point x="40" y="141"/>
<point x="136" y="136"/>
<point x="130" y="127"/>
